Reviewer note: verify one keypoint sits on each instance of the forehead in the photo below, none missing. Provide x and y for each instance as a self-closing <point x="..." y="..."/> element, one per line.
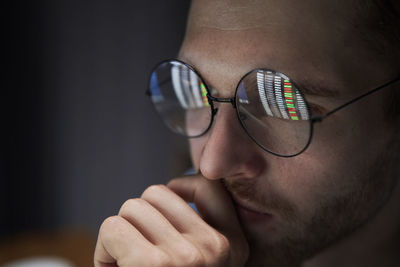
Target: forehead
<point x="243" y="14"/>
<point x="307" y="40"/>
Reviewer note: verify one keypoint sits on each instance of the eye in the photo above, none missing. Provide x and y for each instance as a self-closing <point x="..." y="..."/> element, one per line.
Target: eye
<point x="316" y="110"/>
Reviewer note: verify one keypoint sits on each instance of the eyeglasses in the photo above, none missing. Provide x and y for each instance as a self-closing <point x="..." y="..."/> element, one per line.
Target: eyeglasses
<point x="270" y="107"/>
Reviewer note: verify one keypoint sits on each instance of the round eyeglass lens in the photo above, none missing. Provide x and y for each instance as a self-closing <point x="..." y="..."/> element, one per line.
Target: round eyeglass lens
<point x="180" y="97"/>
<point x="273" y="112"/>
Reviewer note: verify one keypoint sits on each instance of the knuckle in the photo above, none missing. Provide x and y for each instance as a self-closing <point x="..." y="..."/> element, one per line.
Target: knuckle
<point x="131" y="205"/>
<point x="160" y="258"/>
<point x="153" y="190"/>
<point x="173" y="181"/>
<point x="109" y="226"/>
<point x="110" y="223"/>
<point x="190" y="256"/>
<point x="157" y="258"/>
<point x="219" y="245"/>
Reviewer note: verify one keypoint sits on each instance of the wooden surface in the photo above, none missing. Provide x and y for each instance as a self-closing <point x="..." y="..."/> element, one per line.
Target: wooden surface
<point x="74" y="246"/>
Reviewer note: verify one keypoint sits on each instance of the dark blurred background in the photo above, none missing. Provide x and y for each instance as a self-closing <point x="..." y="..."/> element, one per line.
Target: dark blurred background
<point x="80" y="135"/>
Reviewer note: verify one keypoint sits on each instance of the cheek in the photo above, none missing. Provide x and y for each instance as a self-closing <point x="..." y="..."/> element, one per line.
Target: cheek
<point x="310" y="185"/>
<point x="300" y="182"/>
<point x="354" y="133"/>
<point x="334" y="167"/>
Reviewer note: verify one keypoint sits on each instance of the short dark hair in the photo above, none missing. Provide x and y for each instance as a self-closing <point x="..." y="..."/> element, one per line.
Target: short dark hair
<point x="380" y="20"/>
<point x="381" y="31"/>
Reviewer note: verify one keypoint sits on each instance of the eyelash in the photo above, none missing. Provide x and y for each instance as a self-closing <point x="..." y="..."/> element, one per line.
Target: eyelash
<point x="316" y="109"/>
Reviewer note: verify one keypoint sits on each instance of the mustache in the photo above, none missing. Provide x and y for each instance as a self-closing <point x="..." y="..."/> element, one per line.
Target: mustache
<point x="248" y="190"/>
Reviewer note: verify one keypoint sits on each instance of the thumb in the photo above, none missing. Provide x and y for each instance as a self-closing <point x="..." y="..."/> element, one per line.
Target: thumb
<point x="215" y="207"/>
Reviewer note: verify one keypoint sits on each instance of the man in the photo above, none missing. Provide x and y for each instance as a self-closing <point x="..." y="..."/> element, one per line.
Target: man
<point x="324" y="195"/>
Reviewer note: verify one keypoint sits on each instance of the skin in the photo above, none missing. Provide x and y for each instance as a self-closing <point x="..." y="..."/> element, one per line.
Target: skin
<point x="337" y="204"/>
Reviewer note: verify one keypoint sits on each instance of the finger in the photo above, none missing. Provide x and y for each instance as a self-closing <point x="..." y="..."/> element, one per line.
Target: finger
<point x="211" y="199"/>
<point x="150" y="223"/>
<point x="119" y="241"/>
<point x="202" y="239"/>
<point x="174" y="208"/>
<point x="216" y="207"/>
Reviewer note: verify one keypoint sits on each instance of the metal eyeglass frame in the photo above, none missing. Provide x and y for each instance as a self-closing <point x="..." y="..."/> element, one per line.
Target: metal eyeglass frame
<point x="232" y="100"/>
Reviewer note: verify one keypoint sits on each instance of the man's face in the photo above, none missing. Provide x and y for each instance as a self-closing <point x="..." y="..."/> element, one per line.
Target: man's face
<point x="306" y="202"/>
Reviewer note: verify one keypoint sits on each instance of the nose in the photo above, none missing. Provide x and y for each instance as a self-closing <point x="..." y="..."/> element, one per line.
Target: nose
<point x="227" y="151"/>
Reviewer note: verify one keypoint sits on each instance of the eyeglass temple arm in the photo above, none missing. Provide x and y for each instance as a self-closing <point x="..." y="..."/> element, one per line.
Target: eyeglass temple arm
<point x="320" y="118"/>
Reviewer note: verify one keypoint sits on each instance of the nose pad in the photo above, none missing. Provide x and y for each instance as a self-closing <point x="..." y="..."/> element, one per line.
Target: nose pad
<point x="215" y="110"/>
<point x="242" y="116"/>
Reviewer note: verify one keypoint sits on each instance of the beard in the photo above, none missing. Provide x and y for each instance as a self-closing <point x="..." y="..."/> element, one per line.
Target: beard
<point x="298" y="237"/>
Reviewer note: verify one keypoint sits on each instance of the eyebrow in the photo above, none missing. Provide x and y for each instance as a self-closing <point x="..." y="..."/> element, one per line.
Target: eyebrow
<point x="316" y="89"/>
<point x="307" y="87"/>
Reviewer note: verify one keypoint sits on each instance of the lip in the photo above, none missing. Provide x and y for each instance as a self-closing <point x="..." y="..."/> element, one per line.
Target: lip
<point x="246" y="205"/>
<point x="249" y="213"/>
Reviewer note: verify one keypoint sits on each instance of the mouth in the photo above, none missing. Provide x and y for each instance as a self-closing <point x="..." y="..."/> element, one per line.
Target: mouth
<point x="250" y="213"/>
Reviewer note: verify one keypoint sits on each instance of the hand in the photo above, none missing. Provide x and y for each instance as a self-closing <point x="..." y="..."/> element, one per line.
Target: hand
<point x="161" y="229"/>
